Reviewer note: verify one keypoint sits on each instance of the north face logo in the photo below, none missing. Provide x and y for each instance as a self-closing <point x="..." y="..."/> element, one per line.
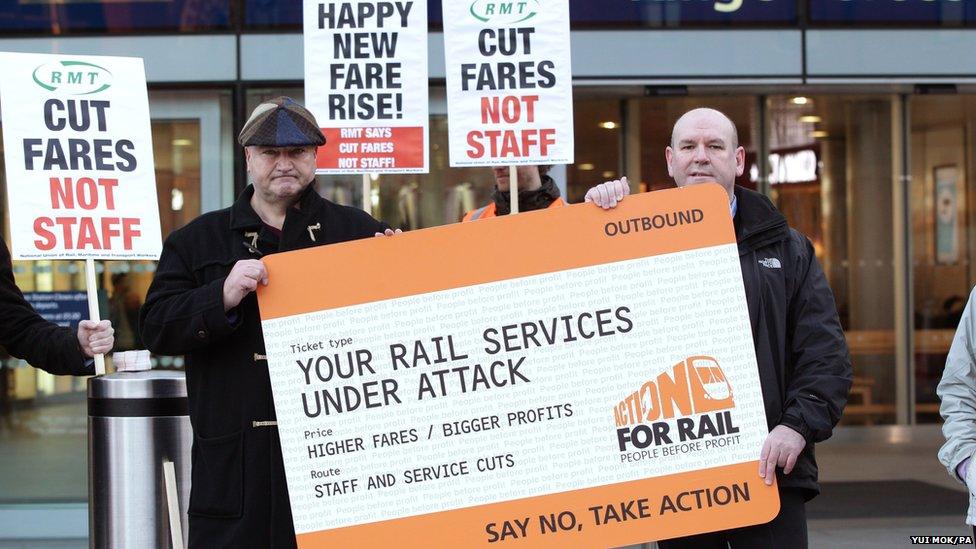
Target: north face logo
<point x="771" y="263"/>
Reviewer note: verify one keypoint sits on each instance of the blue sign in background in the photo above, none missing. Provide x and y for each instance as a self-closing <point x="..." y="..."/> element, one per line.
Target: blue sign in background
<point x="62" y="308"/>
<point x="67" y="16"/>
<point x="58" y="16"/>
<point x="907" y="12"/>
<point x="675" y="13"/>
<point x="583" y="13"/>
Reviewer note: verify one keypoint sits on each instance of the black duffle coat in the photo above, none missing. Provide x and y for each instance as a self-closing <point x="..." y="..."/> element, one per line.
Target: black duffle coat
<point x="238" y="497"/>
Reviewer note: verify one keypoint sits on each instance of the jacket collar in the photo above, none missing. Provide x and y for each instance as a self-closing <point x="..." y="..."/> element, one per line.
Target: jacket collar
<point x="757" y="222"/>
<point x="539" y="199"/>
<point x="243" y="216"/>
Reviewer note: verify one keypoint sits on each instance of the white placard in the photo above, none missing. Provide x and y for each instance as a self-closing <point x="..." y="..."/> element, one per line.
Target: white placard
<point x="366" y="84"/>
<point x="509" y="82"/>
<point x="78" y="151"/>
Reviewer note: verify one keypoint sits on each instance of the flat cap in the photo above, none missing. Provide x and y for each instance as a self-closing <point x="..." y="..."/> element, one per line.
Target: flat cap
<point x="281" y="122"/>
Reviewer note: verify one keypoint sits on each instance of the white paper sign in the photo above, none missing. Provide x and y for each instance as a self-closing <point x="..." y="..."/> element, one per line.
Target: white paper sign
<point x="509" y="82"/>
<point x="366" y="84"/>
<point x="79" y="157"/>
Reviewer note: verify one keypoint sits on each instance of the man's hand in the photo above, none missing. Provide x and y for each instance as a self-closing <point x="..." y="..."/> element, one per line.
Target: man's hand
<point x="242" y="280"/>
<point x="606" y="195"/>
<point x="389" y="232"/>
<point x="782" y="447"/>
<point x="963" y="471"/>
<point x="95" y="338"/>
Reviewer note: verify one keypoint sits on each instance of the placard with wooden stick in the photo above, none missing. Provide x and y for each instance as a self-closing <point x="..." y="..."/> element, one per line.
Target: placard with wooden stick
<point x="81" y="182"/>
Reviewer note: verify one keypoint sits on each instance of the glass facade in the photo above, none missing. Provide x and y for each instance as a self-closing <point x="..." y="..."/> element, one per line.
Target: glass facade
<point x="120" y="16"/>
<point x="72" y="16"/>
<point x="662" y="13"/>
<point x="831" y="174"/>
<point x="262" y="14"/>
<point x="942" y="156"/>
<point x="835" y="162"/>
<point x="948" y="13"/>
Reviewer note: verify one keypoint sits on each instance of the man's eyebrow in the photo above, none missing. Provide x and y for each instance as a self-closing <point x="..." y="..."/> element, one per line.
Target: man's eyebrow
<point x="708" y="141"/>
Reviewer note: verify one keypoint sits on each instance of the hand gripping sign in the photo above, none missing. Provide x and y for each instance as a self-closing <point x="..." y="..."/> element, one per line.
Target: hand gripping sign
<point x="79" y="158"/>
<point x="601" y="391"/>
<point x="366" y="83"/>
<point x="509" y="82"/>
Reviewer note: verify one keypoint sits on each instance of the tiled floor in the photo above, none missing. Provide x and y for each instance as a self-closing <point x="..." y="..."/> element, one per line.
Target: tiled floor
<point x="853" y="454"/>
<point x="885" y="453"/>
<point x="882" y="533"/>
<point x="45" y="544"/>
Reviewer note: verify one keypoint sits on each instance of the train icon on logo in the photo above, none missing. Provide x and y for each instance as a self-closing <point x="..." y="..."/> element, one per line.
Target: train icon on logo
<point x="696" y="386"/>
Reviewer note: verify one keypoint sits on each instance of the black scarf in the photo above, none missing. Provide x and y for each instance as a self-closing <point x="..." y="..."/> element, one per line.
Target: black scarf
<point x="538" y="199"/>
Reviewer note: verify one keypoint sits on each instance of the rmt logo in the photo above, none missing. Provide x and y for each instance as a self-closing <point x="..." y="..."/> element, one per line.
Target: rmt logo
<point x="503" y="12"/>
<point x="72" y="77"/>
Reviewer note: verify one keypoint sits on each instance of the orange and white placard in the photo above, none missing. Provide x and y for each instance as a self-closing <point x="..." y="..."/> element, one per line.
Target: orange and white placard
<point x="79" y="157"/>
<point x="366" y="84"/>
<point x="509" y="82"/>
<point x="595" y="386"/>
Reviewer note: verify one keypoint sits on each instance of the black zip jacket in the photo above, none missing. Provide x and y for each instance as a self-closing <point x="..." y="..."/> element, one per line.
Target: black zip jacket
<point x="26" y="335"/>
<point x="238" y="496"/>
<point x="804" y="366"/>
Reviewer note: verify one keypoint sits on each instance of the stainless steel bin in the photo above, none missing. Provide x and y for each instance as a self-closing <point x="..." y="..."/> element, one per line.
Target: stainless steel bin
<point x="136" y="421"/>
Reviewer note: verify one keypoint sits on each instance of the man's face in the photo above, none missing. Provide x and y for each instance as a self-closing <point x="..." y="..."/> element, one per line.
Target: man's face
<point x="528" y="177"/>
<point x="704" y="149"/>
<point x="280" y="174"/>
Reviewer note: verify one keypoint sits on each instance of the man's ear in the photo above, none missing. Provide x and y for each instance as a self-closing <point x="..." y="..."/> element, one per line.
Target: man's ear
<point x="668" y="154"/>
<point x="740" y="161"/>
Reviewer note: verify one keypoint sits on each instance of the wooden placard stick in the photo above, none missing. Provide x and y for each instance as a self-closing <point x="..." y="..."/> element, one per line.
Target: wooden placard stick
<point x="93" y="309"/>
<point x="513" y="188"/>
<point x="173" y="504"/>
<point x="367" y="194"/>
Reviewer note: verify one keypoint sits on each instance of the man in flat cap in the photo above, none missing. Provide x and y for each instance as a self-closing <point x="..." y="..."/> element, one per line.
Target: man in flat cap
<point x="201" y="304"/>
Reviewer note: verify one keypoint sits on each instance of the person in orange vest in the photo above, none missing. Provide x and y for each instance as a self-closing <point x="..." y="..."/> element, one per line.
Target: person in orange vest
<point x="536" y="191"/>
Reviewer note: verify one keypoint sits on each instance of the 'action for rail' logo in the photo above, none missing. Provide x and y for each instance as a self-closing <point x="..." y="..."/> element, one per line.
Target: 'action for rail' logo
<point x="694" y="399"/>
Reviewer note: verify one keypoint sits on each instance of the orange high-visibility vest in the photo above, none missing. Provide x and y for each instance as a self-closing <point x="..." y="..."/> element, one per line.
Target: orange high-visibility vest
<point x="489" y="210"/>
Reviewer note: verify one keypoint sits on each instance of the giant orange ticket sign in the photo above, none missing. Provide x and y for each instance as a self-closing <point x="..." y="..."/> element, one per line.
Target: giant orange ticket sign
<point x="562" y="378"/>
